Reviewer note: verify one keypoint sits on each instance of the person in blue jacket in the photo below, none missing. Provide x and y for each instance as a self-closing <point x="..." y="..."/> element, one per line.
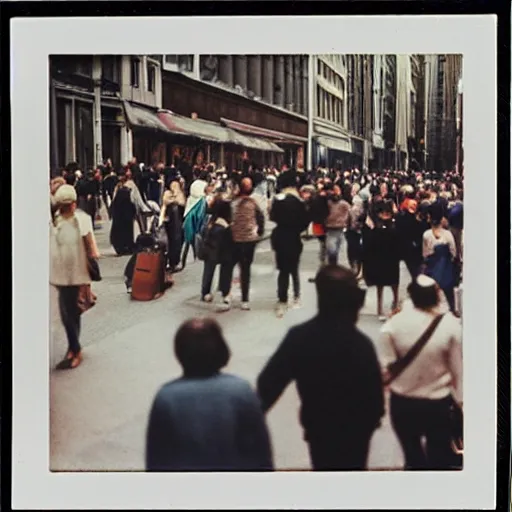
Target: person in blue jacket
<point x="206" y="420"/>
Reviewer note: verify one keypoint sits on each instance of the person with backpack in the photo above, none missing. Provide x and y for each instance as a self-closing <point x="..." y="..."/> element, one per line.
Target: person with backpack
<point x="217" y="250"/>
<point x="247" y="226"/>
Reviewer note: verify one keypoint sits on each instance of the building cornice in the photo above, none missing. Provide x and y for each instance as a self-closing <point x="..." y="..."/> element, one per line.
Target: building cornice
<point x="231" y="91"/>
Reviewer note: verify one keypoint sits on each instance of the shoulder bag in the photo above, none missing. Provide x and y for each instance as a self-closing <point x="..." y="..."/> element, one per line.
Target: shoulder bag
<point x="396" y="368"/>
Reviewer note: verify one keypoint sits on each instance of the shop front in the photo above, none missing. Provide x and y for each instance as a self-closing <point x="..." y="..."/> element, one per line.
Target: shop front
<point x="333" y="153"/>
<point x="264" y="135"/>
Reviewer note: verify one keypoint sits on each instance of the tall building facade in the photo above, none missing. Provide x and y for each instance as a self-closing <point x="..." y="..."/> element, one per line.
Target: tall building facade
<point x="442" y="75"/>
<point x="262" y="96"/>
<point x="89" y="97"/>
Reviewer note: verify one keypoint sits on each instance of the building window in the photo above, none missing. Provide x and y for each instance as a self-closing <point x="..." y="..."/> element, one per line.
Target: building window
<point x="186" y="63"/>
<point x="318" y="101"/>
<point x="319" y="67"/>
<point x="171" y="59"/>
<point x="151" y="77"/>
<point x="84" y="65"/>
<point x="135" y="72"/>
<point x="110" y="68"/>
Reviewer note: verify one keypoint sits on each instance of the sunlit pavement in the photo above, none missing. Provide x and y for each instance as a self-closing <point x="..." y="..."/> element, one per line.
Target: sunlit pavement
<point x="99" y="410"/>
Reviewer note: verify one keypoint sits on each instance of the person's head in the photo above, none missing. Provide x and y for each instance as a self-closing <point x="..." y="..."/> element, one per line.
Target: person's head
<point x="246" y="186"/>
<point x="128" y="175"/>
<point x="424" y="292"/>
<point x="222" y="209"/>
<point x="56" y="183"/>
<point x="339" y="295"/>
<point x="288" y="179"/>
<point x="200" y="347"/>
<point x="65" y="199"/>
<point x="436" y="214"/>
<point x="411" y="206"/>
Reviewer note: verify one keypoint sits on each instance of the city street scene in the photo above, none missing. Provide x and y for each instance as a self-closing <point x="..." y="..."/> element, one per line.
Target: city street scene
<point x="256" y="262"/>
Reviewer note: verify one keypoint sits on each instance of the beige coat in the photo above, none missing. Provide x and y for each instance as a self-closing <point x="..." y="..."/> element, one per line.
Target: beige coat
<point x="68" y="259"/>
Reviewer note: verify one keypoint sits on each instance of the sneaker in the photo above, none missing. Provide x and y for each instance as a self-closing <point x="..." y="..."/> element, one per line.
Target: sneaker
<point x="280" y="309"/>
<point x="208" y="297"/>
<point x="245" y="306"/>
<point x="129" y="290"/>
<point x="226" y="304"/>
<point x="296" y="304"/>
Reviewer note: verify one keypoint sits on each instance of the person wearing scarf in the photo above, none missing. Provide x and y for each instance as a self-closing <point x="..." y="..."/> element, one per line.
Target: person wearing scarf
<point x="171" y="217"/>
<point x="195" y="215"/>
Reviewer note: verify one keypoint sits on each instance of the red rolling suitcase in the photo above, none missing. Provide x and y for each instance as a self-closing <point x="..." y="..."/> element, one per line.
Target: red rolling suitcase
<point x="147" y="276"/>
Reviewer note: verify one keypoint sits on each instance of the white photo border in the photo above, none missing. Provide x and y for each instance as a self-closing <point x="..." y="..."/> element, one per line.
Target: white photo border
<point x="32" y="41"/>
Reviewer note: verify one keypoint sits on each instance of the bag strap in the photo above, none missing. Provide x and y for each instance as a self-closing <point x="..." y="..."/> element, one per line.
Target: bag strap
<point x="398" y="367"/>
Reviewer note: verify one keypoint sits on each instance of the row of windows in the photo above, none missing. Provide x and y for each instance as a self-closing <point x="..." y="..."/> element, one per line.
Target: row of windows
<point x="330" y="75"/>
<point x="135" y="73"/>
<point x="330" y="107"/>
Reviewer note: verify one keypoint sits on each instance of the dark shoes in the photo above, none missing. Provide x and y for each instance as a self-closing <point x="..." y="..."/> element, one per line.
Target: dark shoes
<point x="70" y="362"/>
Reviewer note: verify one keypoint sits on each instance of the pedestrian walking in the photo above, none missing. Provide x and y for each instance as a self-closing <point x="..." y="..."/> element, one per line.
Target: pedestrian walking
<point x="247" y="226"/>
<point x="381" y="253"/>
<point x="218" y="249"/>
<point x="336" y="223"/>
<point x="337" y="374"/>
<point x="439" y="254"/>
<point x="206" y="420"/>
<point x="428" y="390"/>
<point x="194" y="216"/>
<point x="353" y="233"/>
<point x="291" y="216"/>
<point x="171" y="217"/>
<point x="123" y="212"/>
<point x="410" y="232"/>
<point x="72" y="244"/>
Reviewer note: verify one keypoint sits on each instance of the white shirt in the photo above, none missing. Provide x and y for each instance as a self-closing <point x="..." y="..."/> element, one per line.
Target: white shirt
<point x="437" y="369"/>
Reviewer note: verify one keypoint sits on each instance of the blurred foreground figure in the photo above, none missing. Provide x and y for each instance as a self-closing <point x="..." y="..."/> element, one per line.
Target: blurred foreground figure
<point x="337" y="375"/>
<point x="206" y="420"/>
<point x="426" y="397"/>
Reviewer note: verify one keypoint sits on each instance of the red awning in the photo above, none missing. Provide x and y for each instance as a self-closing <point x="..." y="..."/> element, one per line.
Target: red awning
<point x="276" y="136"/>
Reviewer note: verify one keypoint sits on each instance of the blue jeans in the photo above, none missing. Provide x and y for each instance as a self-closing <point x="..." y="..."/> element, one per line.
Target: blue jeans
<point x="333" y="242"/>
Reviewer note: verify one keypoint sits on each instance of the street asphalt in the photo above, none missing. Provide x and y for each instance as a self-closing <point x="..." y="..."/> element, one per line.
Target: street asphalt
<point x="99" y="411"/>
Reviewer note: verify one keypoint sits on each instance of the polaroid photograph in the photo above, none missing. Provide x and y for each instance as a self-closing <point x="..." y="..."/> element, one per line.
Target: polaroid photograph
<point x="252" y="278"/>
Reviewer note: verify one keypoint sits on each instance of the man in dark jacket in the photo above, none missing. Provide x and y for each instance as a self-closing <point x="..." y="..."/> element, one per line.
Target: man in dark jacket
<point x="290" y="214"/>
<point x="337" y="374"/>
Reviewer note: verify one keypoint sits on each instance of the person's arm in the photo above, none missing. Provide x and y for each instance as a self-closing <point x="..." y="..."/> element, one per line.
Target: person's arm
<point x="427" y="249"/>
<point x="386" y="350"/>
<point x="455" y="361"/>
<point x="260" y="220"/>
<point x="451" y="243"/>
<point x="277" y="374"/>
<point x="254" y="438"/>
<point x="158" y="437"/>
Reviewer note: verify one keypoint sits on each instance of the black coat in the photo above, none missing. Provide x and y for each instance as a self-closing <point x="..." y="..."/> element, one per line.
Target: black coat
<point x="410" y="233"/>
<point x="291" y="215"/>
<point x="338" y="378"/>
<point x="219" y="245"/>
<point x="381" y="255"/>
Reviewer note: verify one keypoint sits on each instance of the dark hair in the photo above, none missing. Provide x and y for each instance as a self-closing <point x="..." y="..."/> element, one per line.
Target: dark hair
<point x="222" y="209"/>
<point x="339" y="295"/>
<point x="200" y="347"/>
<point x="423" y="297"/>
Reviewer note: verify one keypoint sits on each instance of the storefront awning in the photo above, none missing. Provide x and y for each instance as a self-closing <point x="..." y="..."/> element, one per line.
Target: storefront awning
<point x="262" y="132"/>
<point x="213" y="132"/>
<point x="336" y="144"/>
<point x="201" y="129"/>
<point x="246" y="141"/>
<point x="142" y="118"/>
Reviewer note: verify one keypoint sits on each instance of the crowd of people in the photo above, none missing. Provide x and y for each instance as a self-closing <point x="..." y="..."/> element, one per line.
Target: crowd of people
<point x="379" y="218"/>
